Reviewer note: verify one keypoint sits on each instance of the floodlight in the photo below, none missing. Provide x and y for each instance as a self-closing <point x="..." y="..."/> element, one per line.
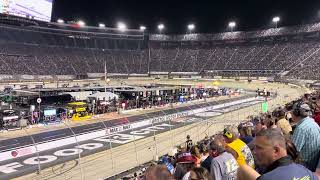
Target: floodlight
<point x="276" y="19"/>
<point x="142" y="28"/>
<point x="121" y="26"/>
<point x="191" y="27"/>
<point x="101" y="25"/>
<point x="232" y="24"/>
<point x="61" y="21"/>
<point x="81" y="23"/>
<point x="160" y="27"/>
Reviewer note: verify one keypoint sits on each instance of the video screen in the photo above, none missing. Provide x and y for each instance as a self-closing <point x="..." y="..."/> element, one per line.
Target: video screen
<point x="31" y="9"/>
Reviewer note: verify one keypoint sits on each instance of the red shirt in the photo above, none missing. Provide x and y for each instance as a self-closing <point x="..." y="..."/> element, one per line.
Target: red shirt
<point x="316" y="118"/>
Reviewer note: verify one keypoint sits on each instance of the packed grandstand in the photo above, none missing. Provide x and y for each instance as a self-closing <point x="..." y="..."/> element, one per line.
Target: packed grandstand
<point x="283" y="52"/>
<point x="31" y="52"/>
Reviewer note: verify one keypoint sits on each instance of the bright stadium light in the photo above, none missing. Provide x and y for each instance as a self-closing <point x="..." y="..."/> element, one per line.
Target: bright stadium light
<point x="275" y="20"/>
<point x="160" y="27"/>
<point x="232" y="24"/>
<point x="81" y="23"/>
<point x="191" y="27"/>
<point x="143" y="28"/>
<point x="121" y="26"/>
<point x="61" y="21"/>
<point x="101" y="25"/>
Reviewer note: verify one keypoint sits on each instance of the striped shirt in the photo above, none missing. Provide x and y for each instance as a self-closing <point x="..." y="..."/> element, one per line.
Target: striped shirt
<point x="306" y="137"/>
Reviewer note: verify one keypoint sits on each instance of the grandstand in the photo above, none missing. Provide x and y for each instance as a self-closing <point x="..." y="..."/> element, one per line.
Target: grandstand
<point x="66" y="50"/>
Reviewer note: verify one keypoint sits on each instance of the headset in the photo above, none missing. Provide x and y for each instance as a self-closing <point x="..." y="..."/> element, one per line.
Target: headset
<point x="227" y="134"/>
<point x="301" y="109"/>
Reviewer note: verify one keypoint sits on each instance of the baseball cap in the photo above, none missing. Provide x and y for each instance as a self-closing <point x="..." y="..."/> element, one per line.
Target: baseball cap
<point x="186" y="158"/>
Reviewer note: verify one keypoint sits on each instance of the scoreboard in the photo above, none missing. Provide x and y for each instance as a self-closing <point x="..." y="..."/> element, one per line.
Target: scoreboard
<point x="32" y="9"/>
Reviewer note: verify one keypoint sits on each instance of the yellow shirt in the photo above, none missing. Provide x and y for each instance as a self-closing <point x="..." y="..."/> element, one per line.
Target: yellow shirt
<point x="243" y="151"/>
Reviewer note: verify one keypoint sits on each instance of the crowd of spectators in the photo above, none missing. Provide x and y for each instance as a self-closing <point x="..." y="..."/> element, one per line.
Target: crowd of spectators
<point x="45" y="51"/>
<point x="299" y="59"/>
<point x="283" y="31"/>
<point x="282" y="144"/>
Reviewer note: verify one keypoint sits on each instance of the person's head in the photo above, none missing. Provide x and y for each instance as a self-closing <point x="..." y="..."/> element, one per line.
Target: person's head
<point x="158" y="172"/>
<point x="270" y="122"/>
<point x="269" y="146"/>
<point x="300" y="110"/>
<point x="281" y="113"/>
<point x="186" y="160"/>
<point x="199" y="173"/>
<point x="203" y="149"/>
<point x="217" y="147"/>
<point x="258" y="124"/>
<point x="231" y="133"/>
<point x="245" y="131"/>
<point x="195" y="151"/>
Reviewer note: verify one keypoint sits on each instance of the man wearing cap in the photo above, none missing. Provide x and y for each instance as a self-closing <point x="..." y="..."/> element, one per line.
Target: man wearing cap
<point x="223" y="166"/>
<point x="306" y="136"/>
<point x="238" y="148"/>
<point x="185" y="162"/>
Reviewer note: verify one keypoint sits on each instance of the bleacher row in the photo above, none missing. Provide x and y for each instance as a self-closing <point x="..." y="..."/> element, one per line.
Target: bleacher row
<point x="44" y="52"/>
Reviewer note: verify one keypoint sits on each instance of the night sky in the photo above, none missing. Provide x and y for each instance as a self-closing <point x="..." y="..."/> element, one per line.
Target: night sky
<point x="208" y="15"/>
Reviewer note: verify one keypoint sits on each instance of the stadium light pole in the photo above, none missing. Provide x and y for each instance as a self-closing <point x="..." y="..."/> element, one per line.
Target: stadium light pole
<point x="101" y="25"/>
<point x="232" y="24"/>
<point x="160" y="27"/>
<point x="122" y="26"/>
<point x="275" y="20"/>
<point x="60" y="21"/>
<point x="191" y="28"/>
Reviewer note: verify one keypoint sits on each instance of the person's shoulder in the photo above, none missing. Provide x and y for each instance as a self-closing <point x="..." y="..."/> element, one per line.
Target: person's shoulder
<point x="310" y="124"/>
<point x="291" y="171"/>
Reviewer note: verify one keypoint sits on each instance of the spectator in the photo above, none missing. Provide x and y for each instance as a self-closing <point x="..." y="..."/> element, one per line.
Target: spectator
<point x="238" y="148"/>
<point x="271" y="153"/>
<point x="204" y="151"/>
<point x="245" y="134"/>
<point x="283" y="123"/>
<point x="206" y="163"/>
<point x="211" y="154"/>
<point x="306" y="136"/>
<point x="196" y="153"/>
<point x="158" y="172"/>
<point x="223" y="166"/>
<point x="185" y="162"/>
<point x="189" y="143"/>
<point x="258" y="124"/>
<point x="270" y="122"/>
<point x="199" y="173"/>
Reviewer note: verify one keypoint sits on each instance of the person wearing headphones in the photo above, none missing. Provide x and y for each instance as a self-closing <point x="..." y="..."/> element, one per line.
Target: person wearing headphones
<point x="306" y="136"/>
<point x="237" y="147"/>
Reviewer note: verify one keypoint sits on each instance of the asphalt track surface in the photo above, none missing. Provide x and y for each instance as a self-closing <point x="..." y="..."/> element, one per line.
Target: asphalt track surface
<point x="100" y="144"/>
<point x="11" y="144"/>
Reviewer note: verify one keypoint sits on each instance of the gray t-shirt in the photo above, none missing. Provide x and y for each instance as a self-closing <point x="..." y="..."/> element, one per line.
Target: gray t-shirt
<point x="224" y="167"/>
